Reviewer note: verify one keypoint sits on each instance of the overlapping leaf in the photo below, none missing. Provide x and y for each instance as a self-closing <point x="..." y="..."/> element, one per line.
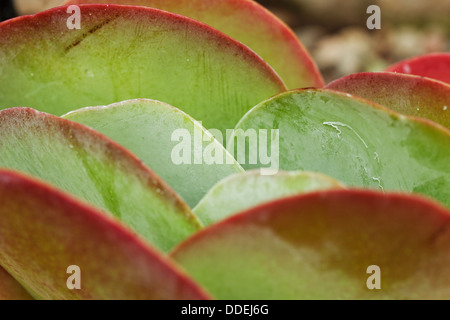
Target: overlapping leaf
<point x="152" y="130"/>
<point x="123" y="53"/>
<point x="88" y="165"/>
<point x="432" y="65"/>
<point x="246" y="190"/>
<point x="321" y="245"/>
<point x="43" y="232"/>
<point x="251" y="24"/>
<point x="355" y="141"/>
<point x="406" y="94"/>
<point x="314" y="245"/>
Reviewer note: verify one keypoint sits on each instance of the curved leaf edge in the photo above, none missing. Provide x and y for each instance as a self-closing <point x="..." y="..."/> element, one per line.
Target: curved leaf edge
<point x="11" y="176"/>
<point x="122" y="154"/>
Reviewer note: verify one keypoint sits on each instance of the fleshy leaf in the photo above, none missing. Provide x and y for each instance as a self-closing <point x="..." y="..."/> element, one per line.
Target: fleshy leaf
<point x="406" y="94"/>
<point x="125" y="52"/>
<point x="152" y="130"/>
<point x="10" y="289"/>
<point x="246" y="190"/>
<point x="321" y="245"/>
<point x="354" y="141"/>
<point x="251" y="24"/>
<point x="432" y="65"/>
<point x="43" y="232"/>
<point x="88" y="165"/>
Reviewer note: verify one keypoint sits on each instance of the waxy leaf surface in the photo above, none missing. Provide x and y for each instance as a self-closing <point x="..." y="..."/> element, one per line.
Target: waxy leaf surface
<point x="321" y="245"/>
<point x="251" y="24"/>
<point x="246" y="190"/>
<point x="126" y="52"/>
<point x="355" y="141"/>
<point x="92" y="167"/>
<point x="152" y="130"/>
<point x="433" y="65"/>
<point x="43" y="232"/>
<point x="406" y="94"/>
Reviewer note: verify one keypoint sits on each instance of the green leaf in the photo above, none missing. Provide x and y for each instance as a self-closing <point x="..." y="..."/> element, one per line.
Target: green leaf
<point x="355" y="141"/>
<point x="406" y="94"/>
<point x="88" y="165"/>
<point x="10" y="289"/>
<point x="44" y="231"/>
<point x="124" y="52"/>
<point x="266" y="34"/>
<point x="246" y="190"/>
<point x="321" y="245"/>
<point x="150" y="130"/>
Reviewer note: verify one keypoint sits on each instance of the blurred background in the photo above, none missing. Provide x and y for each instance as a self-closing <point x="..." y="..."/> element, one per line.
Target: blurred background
<point x="335" y="32"/>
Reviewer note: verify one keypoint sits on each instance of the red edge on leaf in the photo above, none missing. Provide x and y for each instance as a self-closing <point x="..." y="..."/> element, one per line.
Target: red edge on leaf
<point x="152" y="13"/>
<point x="276" y="24"/>
<point x="290" y="36"/>
<point x="271" y="209"/>
<point x="396" y="115"/>
<point x="17" y="182"/>
<point x="432" y="65"/>
<point x="372" y="79"/>
<point x="118" y="152"/>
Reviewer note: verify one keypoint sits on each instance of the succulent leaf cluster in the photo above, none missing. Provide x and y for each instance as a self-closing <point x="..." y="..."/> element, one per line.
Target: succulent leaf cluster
<point x="92" y="119"/>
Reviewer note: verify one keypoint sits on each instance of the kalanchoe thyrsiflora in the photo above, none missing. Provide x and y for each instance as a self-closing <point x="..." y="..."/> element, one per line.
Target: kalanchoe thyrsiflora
<point x="73" y="200"/>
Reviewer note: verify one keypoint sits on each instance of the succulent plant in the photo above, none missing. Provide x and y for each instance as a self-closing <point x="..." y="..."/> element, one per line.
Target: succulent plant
<point x="93" y="118"/>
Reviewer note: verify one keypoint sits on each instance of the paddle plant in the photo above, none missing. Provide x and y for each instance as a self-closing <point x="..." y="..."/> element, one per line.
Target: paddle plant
<point x="122" y="176"/>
